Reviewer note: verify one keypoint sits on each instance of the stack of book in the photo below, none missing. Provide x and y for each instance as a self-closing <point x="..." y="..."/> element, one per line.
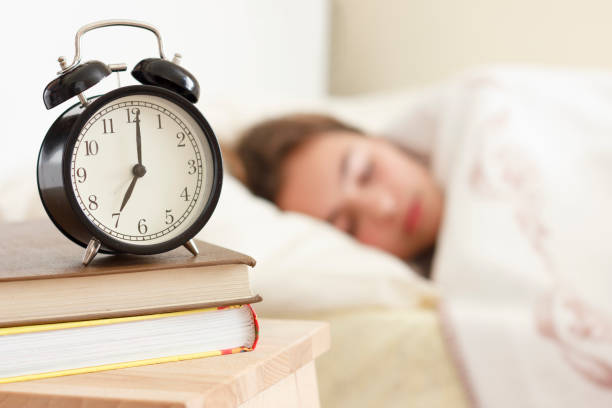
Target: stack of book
<point x="58" y="317"/>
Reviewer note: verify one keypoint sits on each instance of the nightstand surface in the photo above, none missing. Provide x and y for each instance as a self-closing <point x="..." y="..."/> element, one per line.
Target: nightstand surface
<point x="279" y="372"/>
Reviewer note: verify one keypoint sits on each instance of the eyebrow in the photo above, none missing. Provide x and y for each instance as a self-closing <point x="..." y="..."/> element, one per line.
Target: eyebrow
<point x="343" y="171"/>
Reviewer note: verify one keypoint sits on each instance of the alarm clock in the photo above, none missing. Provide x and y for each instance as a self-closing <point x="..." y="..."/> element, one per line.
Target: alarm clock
<point x="136" y="170"/>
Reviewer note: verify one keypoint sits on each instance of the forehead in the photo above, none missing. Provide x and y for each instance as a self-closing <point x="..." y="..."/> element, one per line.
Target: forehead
<point x="310" y="180"/>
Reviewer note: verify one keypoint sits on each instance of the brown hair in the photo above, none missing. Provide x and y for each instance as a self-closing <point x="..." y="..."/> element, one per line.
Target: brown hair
<point x="263" y="148"/>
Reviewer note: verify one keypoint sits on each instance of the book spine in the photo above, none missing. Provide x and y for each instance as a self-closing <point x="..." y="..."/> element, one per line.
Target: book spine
<point x="256" y="324"/>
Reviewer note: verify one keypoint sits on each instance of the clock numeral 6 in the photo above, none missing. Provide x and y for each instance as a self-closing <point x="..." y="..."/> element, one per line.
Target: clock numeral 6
<point x="142" y="227"/>
<point x="169" y="217"/>
<point x="81" y="174"/>
<point x="91" y="148"/>
<point x="192" y="167"/>
<point x="93" y="202"/>
<point x="181" y="137"/>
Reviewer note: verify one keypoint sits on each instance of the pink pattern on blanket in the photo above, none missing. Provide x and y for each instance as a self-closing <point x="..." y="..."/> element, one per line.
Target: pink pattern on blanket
<point x="579" y="329"/>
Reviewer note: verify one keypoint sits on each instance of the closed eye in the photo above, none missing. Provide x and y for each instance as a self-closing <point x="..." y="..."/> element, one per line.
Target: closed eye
<point x="367" y="173"/>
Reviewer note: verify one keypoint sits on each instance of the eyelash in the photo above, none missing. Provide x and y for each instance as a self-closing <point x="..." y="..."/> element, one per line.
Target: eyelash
<point x="367" y="173"/>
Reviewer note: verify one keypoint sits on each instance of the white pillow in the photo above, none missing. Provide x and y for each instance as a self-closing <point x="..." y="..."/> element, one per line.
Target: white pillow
<point x="305" y="265"/>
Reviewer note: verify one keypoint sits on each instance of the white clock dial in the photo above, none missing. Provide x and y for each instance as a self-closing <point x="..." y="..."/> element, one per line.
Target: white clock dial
<point x="149" y="202"/>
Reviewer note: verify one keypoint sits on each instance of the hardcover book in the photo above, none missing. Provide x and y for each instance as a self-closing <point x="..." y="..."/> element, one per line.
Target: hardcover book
<point x="52" y="350"/>
<point x="42" y="279"/>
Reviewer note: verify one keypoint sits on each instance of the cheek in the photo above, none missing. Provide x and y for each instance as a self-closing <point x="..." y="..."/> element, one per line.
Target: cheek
<point x="379" y="236"/>
<point x="398" y="175"/>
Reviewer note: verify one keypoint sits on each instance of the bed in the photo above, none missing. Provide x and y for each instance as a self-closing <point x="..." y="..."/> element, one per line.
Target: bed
<point x="387" y="344"/>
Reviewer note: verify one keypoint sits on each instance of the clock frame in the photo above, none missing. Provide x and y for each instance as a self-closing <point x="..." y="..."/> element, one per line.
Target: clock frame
<point x="54" y="174"/>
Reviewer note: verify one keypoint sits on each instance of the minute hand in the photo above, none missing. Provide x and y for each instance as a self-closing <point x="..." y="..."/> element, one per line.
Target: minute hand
<point x="138" y="142"/>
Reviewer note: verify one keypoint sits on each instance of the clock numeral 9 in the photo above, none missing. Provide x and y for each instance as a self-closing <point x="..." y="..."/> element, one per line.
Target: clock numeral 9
<point x="142" y="227"/>
<point x="181" y="137"/>
<point x="169" y="217"/>
<point x="81" y="174"/>
<point x="185" y="195"/>
<point x="192" y="167"/>
<point x="136" y="113"/>
<point x="93" y="202"/>
<point x="91" y="148"/>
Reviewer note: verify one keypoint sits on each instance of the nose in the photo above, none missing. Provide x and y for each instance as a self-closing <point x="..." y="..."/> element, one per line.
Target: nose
<point x="378" y="204"/>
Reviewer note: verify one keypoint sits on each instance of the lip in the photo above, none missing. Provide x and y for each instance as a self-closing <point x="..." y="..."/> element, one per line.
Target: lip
<point x="413" y="216"/>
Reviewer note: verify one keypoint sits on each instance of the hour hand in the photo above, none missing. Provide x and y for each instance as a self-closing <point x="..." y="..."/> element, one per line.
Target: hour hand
<point x="138" y="171"/>
<point x="128" y="193"/>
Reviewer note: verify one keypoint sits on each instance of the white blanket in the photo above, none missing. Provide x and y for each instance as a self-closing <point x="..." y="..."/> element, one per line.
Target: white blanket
<point x="524" y="260"/>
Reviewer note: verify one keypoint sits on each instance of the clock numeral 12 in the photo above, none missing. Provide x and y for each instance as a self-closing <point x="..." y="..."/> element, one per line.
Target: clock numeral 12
<point x="135" y="111"/>
<point x="159" y="126"/>
<point x="110" y="126"/>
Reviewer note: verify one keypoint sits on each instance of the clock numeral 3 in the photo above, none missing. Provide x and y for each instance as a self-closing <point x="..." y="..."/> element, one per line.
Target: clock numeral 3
<point x="117" y="221"/>
<point x="142" y="227"/>
<point x="93" y="202"/>
<point x="135" y="112"/>
<point x="192" y="167"/>
<point x="169" y="217"/>
<point x="181" y="137"/>
<point x="185" y="195"/>
<point x="110" y="126"/>
<point x="81" y="174"/>
<point x="91" y="148"/>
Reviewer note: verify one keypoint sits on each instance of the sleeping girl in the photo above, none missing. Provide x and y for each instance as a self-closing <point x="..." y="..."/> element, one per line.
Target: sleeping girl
<point x="370" y="188"/>
<point x="519" y="164"/>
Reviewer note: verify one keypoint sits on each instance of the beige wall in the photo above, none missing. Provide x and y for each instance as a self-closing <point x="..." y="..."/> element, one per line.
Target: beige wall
<point x="382" y="45"/>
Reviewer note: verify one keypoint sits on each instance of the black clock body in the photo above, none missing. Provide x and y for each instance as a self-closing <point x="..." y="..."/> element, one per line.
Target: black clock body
<point x="54" y="181"/>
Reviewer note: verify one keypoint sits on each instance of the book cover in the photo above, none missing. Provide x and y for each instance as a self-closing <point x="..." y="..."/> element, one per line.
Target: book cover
<point x="42" y="279"/>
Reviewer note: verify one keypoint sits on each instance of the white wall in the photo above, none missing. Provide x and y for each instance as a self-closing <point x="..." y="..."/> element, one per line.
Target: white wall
<point x="236" y="49"/>
<point x="382" y="45"/>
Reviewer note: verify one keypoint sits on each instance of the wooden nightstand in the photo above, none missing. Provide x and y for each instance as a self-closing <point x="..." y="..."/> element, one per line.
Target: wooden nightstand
<point x="280" y="372"/>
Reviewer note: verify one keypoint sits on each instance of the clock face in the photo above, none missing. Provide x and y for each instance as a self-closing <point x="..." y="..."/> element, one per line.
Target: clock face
<point x="142" y="169"/>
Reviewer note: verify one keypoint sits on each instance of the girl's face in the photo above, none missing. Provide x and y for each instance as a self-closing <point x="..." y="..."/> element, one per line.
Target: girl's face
<point x="367" y="187"/>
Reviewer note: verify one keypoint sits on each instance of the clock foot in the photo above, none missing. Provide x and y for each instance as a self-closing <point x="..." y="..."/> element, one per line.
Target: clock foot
<point x="92" y="250"/>
<point x="191" y="247"/>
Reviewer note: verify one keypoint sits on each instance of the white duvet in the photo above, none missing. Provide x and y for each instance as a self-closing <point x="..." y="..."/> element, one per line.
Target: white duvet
<point x="524" y="260"/>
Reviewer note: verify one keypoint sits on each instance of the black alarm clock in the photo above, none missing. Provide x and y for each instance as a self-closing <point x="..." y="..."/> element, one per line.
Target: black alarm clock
<point x="137" y="170"/>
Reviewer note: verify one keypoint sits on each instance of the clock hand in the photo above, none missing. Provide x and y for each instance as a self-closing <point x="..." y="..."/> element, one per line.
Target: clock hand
<point x="128" y="193"/>
<point x="139" y="170"/>
<point x="138" y="142"/>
